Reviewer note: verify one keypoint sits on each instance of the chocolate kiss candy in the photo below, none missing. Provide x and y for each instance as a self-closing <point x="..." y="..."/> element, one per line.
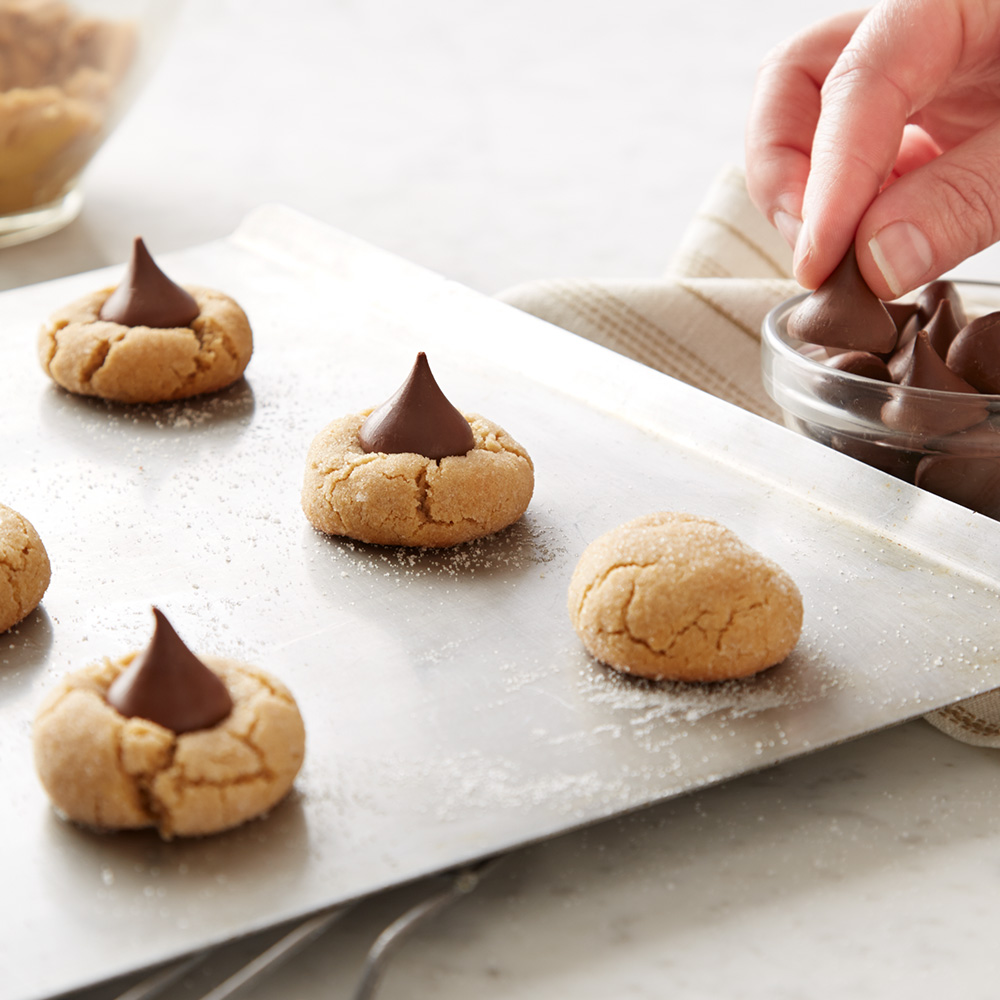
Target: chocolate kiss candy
<point x="936" y="416"/>
<point x="170" y="686"/>
<point x="898" y="462"/>
<point x="933" y="294"/>
<point x="901" y="312"/>
<point x="975" y="353"/>
<point x="844" y="312"/>
<point x="147" y="297"/>
<point x="973" y="482"/>
<point x="943" y="327"/>
<point x="861" y="363"/>
<point x="900" y="357"/>
<point x="418" y="418"/>
<point x="848" y="394"/>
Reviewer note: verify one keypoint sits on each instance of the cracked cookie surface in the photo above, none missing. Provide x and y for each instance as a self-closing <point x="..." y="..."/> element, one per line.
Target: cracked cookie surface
<point x="110" y="772"/>
<point x="407" y="499"/>
<point x="141" y="364"/>
<point x="673" y="596"/>
<point x="24" y="568"/>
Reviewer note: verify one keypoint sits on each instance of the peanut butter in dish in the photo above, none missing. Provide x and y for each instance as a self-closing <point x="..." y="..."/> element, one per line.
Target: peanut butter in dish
<point x="61" y="73"/>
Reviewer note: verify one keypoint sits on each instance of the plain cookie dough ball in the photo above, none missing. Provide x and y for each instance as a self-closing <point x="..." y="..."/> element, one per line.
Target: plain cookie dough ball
<point x="110" y="772"/>
<point x="24" y="568"/>
<point x="674" y="596"/>
<point x="408" y="499"/>
<point x="143" y="364"/>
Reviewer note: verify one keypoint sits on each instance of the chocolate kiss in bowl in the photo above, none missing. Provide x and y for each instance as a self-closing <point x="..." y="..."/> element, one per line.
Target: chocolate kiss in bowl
<point x="901" y="313"/>
<point x="924" y="369"/>
<point x="974" y="482"/>
<point x="861" y="363"/>
<point x="933" y="294"/>
<point x="974" y="354"/>
<point x="170" y="686"/>
<point x="147" y="297"/>
<point x="845" y="313"/>
<point x="417" y="418"/>
<point x="849" y="394"/>
<point x="943" y="328"/>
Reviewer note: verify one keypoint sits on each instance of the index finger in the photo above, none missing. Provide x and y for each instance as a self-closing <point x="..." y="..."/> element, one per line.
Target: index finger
<point x="899" y="57"/>
<point x="785" y="111"/>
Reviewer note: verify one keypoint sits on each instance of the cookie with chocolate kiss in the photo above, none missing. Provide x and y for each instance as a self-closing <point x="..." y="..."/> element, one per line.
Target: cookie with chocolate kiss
<point x="844" y="313"/>
<point x="415" y="471"/>
<point x="188" y="745"/>
<point x="146" y="340"/>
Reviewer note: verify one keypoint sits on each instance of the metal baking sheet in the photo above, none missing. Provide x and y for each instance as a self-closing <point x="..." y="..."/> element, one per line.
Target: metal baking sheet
<point x="451" y="712"/>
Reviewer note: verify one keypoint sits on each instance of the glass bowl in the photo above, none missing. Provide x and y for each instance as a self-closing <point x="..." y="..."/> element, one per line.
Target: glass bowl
<point x="69" y="70"/>
<point x="945" y="442"/>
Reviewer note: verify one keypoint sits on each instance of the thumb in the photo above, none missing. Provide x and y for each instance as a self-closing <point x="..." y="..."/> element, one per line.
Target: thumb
<point x="932" y="218"/>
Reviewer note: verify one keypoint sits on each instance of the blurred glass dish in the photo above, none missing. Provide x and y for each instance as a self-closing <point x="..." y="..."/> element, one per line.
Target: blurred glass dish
<point x="69" y="69"/>
<point x="945" y="442"/>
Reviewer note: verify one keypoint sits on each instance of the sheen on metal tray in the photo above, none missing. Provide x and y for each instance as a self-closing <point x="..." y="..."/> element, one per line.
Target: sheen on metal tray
<point x="451" y="712"/>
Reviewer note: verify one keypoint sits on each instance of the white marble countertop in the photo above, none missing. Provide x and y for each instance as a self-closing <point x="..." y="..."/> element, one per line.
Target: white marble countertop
<point x="496" y="143"/>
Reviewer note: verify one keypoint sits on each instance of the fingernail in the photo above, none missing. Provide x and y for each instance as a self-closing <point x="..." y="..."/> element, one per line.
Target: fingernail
<point x="903" y="255"/>
<point x="803" y="247"/>
<point x="788" y="225"/>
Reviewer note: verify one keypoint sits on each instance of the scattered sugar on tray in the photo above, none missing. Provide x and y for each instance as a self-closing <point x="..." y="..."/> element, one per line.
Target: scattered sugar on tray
<point x="469" y="781"/>
<point x="670" y="701"/>
<point x="515" y="676"/>
<point x="518" y="547"/>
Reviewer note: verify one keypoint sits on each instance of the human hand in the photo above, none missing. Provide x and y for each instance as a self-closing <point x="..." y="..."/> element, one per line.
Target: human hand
<point x="883" y="128"/>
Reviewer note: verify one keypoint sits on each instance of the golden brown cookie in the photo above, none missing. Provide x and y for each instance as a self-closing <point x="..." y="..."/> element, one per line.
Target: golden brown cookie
<point x="673" y="596"/>
<point x="144" y="364"/>
<point x="107" y="771"/>
<point x="24" y="568"/>
<point x="408" y="499"/>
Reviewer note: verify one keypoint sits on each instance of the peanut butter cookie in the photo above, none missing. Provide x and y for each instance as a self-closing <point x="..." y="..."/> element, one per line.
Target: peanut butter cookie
<point x="106" y="766"/>
<point x="415" y="472"/>
<point x="673" y="596"/>
<point x="24" y="568"/>
<point x="146" y="340"/>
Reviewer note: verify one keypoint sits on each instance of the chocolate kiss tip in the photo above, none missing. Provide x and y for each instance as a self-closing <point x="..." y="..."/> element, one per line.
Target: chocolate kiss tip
<point x="943" y="327"/>
<point x="926" y="369"/>
<point x="169" y="685"/>
<point x="147" y="297"/>
<point x="418" y="419"/>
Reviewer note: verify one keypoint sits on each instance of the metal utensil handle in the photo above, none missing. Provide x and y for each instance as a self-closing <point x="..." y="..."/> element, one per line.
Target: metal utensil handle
<point x="464" y="881"/>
